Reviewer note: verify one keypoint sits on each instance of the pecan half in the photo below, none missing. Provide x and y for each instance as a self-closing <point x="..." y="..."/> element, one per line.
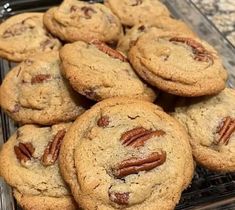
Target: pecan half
<point x="225" y="130"/>
<point x="119" y="198"/>
<point x="201" y="54"/>
<point x="52" y="150"/>
<point x="138" y="136"/>
<point x="88" y="12"/>
<point x="135" y="165"/>
<point x="40" y="78"/>
<point x="137" y="2"/>
<point x="103" y="121"/>
<point x="24" y="152"/>
<point x="17" y="30"/>
<point x="109" y="51"/>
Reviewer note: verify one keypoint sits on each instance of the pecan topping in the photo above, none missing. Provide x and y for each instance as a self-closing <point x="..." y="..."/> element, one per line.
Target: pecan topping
<point x="88" y="12"/>
<point x="201" y="54"/>
<point x="40" y="78"/>
<point x="52" y="150"/>
<point x="109" y="51"/>
<point x="17" y="30"/>
<point x="135" y="165"/>
<point x="225" y="130"/>
<point x="137" y="2"/>
<point x="103" y="121"/>
<point x="119" y="198"/>
<point x="24" y="152"/>
<point x="138" y="136"/>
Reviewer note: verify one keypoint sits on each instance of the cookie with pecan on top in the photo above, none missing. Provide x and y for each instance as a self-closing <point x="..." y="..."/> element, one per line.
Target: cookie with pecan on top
<point x="29" y="163"/>
<point x="178" y="64"/>
<point x="126" y="154"/>
<point x="35" y="92"/>
<point x="23" y="35"/>
<point x="210" y="121"/>
<point x="78" y="20"/>
<point x="99" y="72"/>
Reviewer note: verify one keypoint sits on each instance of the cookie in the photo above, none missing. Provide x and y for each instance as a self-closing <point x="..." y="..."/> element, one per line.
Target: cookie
<point x="28" y="163"/>
<point x="23" y="35"/>
<point x="178" y="64"/>
<point x="78" y="20"/>
<point x="35" y="92"/>
<point x="161" y="23"/>
<point x="126" y="154"/>
<point x="210" y="122"/>
<point x="99" y="72"/>
<point x="132" y="12"/>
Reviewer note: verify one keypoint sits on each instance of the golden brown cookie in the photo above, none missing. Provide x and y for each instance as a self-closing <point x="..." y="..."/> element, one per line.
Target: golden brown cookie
<point x="132" y="12"/>
<point x="28" y="163"/>
<point x="23" y="35"/>
<point x="99" y="72"/>
<point x="78" y="20"/>
<point x="35" y="92"/>
<point x="210" y="122"/>
<point x="126" y="154"/>
<point x="178" y="64"/>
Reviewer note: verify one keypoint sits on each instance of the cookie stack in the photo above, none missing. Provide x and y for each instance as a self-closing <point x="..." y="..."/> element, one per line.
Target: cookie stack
<point x="125" y="152"/>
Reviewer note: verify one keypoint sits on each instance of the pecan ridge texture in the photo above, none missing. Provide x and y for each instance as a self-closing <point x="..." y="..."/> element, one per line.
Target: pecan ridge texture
<point x="51" y="152"/>
<point x="225" y="130"/>
<point x="138" y="136"/>
<point x="135" y="165"/>
<point x="24" y="152"/>
<point x="199" y="51"/>
<point x="107" y="50"/>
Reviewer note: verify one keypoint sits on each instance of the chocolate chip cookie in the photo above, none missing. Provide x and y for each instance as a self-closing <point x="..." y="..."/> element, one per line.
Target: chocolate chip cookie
<point x="35" y="92"/>
<point x="132" y="12"/>
<point x="28" y="163"/>
<point x="23" y="35"/>
<point x="99" y="72"/>
<point x="126" y="154"/>
<point x="162" y="23"/>
<point x="210" y="121"/>
<point x="178" y="64"/>
<point x="78" y="20"/>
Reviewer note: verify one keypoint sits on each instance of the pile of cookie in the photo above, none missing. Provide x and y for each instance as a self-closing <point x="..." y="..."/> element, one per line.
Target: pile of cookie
<point x="124" y="152"/>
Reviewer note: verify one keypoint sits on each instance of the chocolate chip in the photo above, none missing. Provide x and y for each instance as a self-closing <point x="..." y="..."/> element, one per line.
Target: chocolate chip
<point x="141" y="28"/>
<point x="40" y="78"/>
<point x="103" y="121"/>
<point x="119" y="198"/>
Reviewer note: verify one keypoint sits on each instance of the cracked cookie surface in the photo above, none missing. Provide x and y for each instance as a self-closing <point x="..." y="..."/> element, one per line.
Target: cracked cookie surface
<point x="127" y="154"/>
<point x="132" y="12"/>
<point x="210" y="121"/>
<point x="178" y="64"/>
<point x="35" y="92"/>
<point x="22" y="164"/>
<point x="99" y="72"/>
<point x="23" y="35"/>
<point x="77" y="20"/>
<point x="162" y="23"/>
